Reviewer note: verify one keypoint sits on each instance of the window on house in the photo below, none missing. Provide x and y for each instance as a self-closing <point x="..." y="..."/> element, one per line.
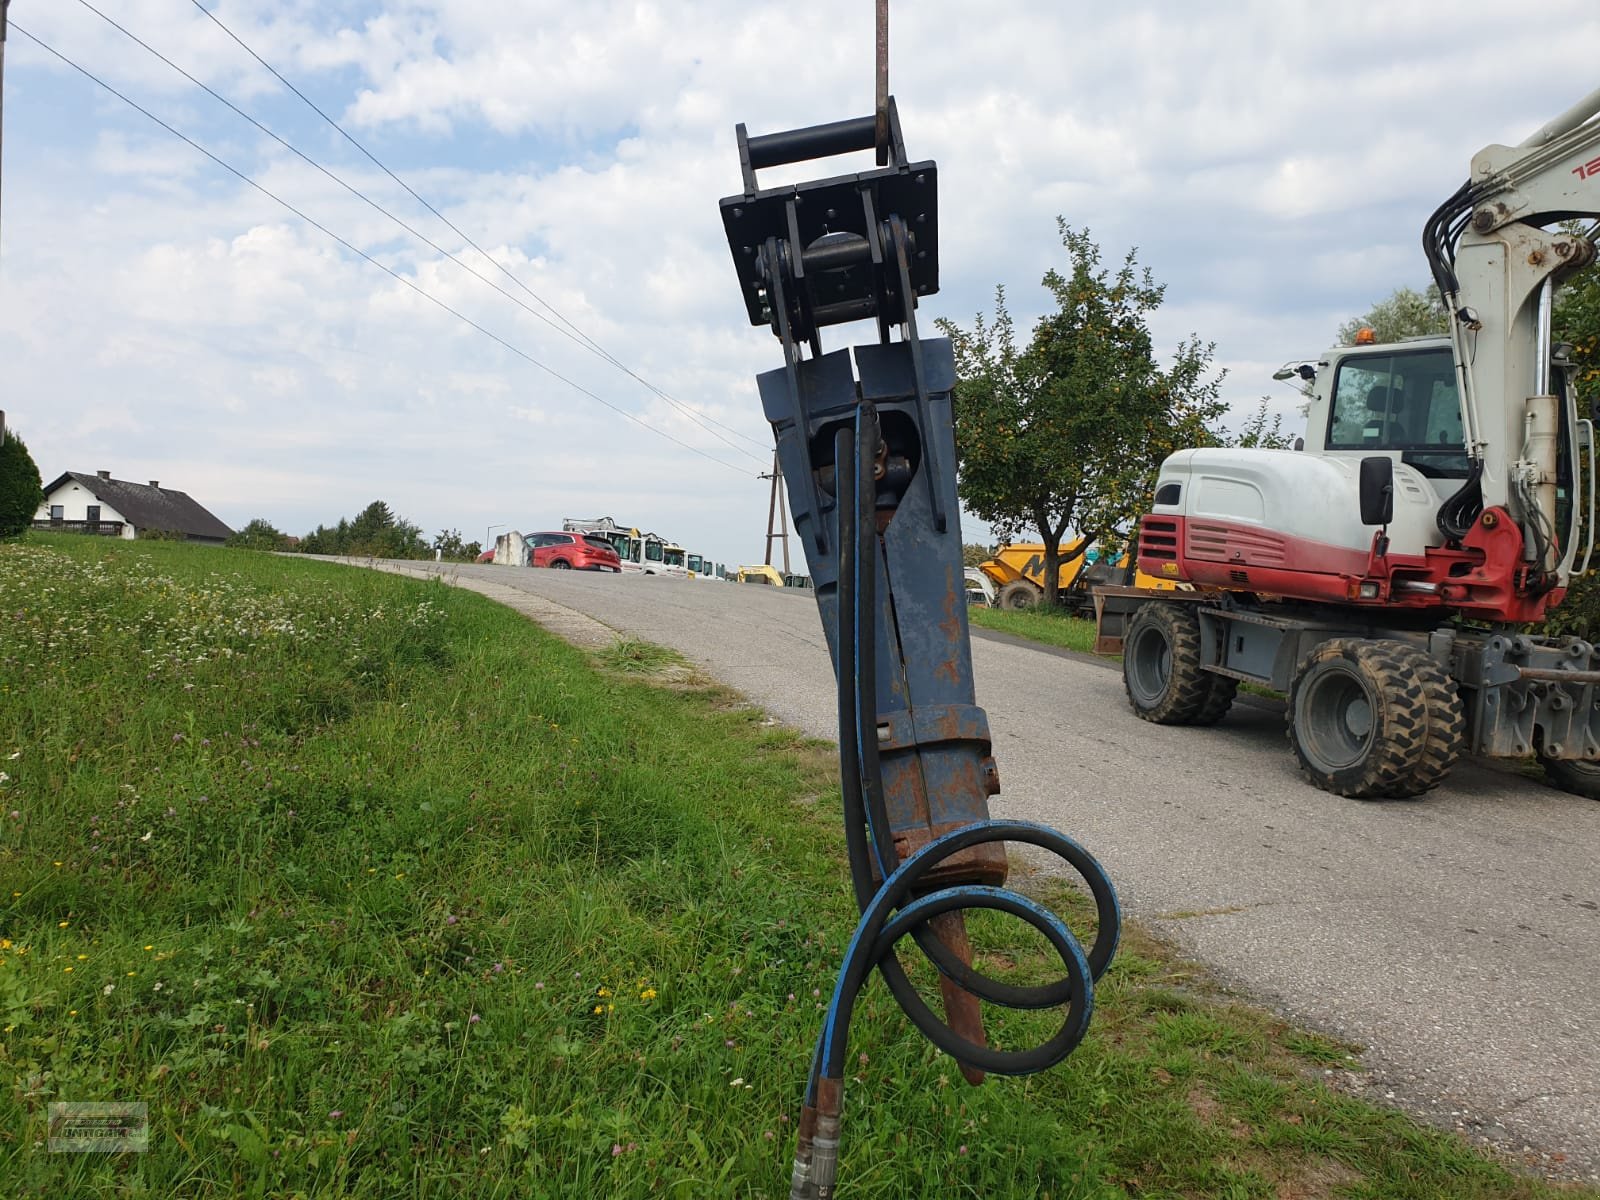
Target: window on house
<point x="57" y="512"/>
<point x="92" y="514"/>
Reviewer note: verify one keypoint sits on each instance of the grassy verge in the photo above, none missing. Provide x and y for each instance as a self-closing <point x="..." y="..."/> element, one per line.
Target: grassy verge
<point x="1053" y="627"/>
<point x="367" y="887"/>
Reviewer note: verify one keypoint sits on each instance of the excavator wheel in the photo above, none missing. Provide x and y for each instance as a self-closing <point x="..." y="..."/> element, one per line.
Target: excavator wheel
<point x="1161" y="668"/>
<point x="1577" y="776"/>
<point x="1218" y="700"/>
<point x="1017" y="594"/>
<point x="1447" y="720"/>
<point x="1358" y="719"/>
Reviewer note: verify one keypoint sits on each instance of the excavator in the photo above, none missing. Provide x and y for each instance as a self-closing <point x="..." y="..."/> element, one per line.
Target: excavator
<point x="1385" y="575"/>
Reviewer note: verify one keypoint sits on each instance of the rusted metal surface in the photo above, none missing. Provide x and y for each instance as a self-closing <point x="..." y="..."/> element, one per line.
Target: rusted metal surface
<point x="961" y="1007"/>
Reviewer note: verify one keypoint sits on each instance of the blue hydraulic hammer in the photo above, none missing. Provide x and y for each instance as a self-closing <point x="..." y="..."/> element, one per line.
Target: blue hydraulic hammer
<point x="866" y="446"/>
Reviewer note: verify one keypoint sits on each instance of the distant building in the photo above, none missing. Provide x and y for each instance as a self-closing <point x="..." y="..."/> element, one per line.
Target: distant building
<point x="110" y="507"/>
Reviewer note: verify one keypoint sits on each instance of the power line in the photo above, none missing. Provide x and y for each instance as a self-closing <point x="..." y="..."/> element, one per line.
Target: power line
<point x="423" y="238"/>
<point x="580" y="334"/>
<point x="356" y="250"/>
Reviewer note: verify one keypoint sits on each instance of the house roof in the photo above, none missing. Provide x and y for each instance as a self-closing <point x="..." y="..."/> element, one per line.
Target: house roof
<point x="145" y="506"/>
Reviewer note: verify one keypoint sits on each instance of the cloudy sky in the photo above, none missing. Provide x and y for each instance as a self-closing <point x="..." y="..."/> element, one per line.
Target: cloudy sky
<point x="163" y="319"/>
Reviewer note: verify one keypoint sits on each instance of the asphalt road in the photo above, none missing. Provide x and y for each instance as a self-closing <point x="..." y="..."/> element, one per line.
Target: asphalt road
<point x="1456" y="937"/>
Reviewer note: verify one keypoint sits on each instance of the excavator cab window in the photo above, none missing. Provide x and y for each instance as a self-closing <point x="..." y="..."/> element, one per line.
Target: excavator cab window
<point x="1403" y="401"/>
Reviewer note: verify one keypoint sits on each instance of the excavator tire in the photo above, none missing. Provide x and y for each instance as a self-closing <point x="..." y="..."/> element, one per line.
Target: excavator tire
<point x="1161" y="668"/>
<point x="1358" y="719"/>
<point x="1447" y="721"/>
<point x="1577" y="776"/>
<point x="1017" y="594"/>
<point x="1218" y="700"/>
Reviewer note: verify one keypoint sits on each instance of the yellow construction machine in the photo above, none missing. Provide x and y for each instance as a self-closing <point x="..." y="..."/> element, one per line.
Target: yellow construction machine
<point x="1017" y="573"/>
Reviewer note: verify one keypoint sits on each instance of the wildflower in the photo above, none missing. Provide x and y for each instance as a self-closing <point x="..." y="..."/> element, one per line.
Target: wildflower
<point x="108" y="989"/>
<point x="539" y="987"/>
<point x="599" y="1008"/>
<point x="474" y="1019"/>
<point x="451" y="919"/>
<point x="648" y="994"/>
<point x="961" y="1149"/>
<point x="737" y="1082"/>
<point x="616" y="1149"/>
<point x="336" y="1114"/>
<point x="499" y="968"/>
<point x="604" y="992"/>
<point x="149" y="947"/>
<point x="83" y="958"/>
<point x="62" y="924"/>
<point x="66" y="970"/>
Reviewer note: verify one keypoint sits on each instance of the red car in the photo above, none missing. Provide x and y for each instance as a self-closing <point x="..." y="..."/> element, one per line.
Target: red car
<point x="573" y="551"/>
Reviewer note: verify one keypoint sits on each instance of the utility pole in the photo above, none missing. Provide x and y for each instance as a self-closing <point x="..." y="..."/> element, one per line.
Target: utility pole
<point x="777" y="515"/>
<point x="4" y="4"/>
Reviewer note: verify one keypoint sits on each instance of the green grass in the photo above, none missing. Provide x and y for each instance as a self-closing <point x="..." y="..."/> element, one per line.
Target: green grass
<point x="1054" y="627"/>
<point x="1051" y="626"/>
<point x="368" y="887"/>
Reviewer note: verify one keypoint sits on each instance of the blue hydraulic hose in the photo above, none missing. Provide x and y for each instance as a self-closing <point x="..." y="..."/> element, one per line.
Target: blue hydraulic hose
<point x="897" y="907"/>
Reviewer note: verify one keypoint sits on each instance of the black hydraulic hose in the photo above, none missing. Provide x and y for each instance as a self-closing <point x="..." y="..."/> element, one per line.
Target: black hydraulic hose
<point x="901" y="905"/>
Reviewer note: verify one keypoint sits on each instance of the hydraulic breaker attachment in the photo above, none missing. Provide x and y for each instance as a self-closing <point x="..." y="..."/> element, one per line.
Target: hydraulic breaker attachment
<point x="866" y="447"/>
<point x="825" y="253"/>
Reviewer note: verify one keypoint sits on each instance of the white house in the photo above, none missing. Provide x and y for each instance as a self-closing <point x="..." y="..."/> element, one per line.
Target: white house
<point x="117" y="508"/>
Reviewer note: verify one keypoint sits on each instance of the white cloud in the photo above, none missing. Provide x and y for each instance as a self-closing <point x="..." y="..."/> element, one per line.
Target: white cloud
<point x="160" y="318"/>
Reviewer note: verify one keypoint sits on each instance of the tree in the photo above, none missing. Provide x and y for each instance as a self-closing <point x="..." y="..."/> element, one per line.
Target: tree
<point x="973" y="553"/>
<point x="259" y="534"/>
<point x="1576" y="321"/>
<point x="1260" y="432"/>
<point x="1068" y="433"/>
<point x="1406" y="313"/>
<point x="21" y="489"/>
<point x="448" y="544"/>
<point x="375" y="532"/>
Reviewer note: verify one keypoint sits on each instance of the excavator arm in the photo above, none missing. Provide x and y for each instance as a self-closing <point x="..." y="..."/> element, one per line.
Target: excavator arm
<point x="1497" y="249"/>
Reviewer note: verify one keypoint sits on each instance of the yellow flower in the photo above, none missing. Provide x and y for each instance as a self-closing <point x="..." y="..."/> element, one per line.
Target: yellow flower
<point x="5" y="943"/>
<point x="67" y="970"/>
<point x="83" y="958"/>
<point x="605" y="991"/>
<point x="648" y="994"/>
<point x="62" y="924"/>
<point x="149" y="947"/>
<point x="598" y="1008"/>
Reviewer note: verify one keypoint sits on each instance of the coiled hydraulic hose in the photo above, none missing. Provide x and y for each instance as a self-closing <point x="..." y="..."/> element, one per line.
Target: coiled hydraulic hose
<point x="899" y="906"/>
